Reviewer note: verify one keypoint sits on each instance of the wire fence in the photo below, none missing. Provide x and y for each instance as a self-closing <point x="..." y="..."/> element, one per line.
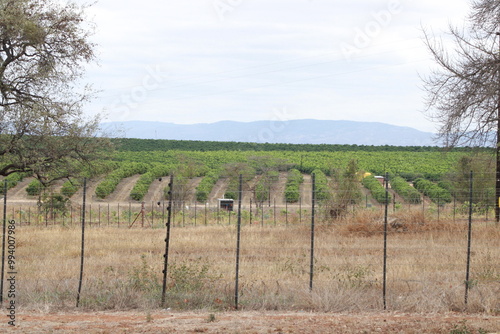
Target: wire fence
<point x="153" y="215"/>
<point x="249" y="253"/>
<point x="184" y="214"/>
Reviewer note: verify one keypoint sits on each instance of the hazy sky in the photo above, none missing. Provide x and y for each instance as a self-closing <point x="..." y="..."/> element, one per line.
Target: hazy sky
<point x="202" y="61"/>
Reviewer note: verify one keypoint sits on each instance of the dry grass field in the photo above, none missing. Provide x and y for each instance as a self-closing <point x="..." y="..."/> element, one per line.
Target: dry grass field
<point x="426" y="268"/>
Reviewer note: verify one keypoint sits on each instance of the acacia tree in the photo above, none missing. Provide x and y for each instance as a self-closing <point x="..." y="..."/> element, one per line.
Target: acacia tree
<point x="463" y="93"/>
<point x="44" y="47"/>
<point x="345" y="189"/>
<point x="483" y="189"/>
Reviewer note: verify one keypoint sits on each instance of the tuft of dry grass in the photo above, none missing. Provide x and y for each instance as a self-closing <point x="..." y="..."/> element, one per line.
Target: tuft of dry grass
<point x="371" y="222"/>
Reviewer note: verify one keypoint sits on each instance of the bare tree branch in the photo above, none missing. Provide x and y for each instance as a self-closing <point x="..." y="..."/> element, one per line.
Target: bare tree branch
<point x="462" y="92"/>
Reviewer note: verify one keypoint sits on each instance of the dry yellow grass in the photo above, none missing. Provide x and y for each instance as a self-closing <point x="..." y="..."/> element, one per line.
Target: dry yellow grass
<point x="123" y="267"/>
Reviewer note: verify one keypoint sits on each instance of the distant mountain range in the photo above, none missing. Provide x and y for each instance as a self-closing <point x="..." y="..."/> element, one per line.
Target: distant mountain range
<point x="305" y="131"/>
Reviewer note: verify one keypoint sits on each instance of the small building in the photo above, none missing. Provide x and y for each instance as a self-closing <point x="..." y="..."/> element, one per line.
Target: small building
<point x="226" y="204"/>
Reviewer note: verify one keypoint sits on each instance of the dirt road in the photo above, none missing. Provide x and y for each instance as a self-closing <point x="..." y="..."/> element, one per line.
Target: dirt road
<point x="163" y="321"/>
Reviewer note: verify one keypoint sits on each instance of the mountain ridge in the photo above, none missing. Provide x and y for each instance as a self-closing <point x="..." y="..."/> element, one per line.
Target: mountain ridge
<point x="304" y="131"/>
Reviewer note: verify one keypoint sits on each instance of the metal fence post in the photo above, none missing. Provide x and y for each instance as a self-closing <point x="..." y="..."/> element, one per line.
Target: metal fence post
<point x="384" y="287"/>
<point x="311" y="265"/>
<point x="238" y="239"/>
<point x="167" y="238"/>
<point x="469" y="237"/>
<point x="82" y="257"/>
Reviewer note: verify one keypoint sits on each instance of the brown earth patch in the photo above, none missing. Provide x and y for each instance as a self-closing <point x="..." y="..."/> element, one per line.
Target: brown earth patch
<point x="164" y="321"/>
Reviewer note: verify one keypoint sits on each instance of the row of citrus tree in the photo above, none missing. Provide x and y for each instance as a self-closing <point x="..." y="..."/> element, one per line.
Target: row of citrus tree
<point x="264" y="167"/>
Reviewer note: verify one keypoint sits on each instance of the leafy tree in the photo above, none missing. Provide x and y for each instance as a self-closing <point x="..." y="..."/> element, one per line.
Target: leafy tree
<point x="464" y="92"/>
<point x="436" y="193"/>
<point x="43" y="49"/>
<point x="346" y="187"/>
<point x="348" y="184"/>
<point x="70" y="187"/>
<point x="407" y="192"/>
<point x="265" y="163"/>
<point x="483" y="191"/>
<point x="292" y="187"/>
<point x="264" y="185"/>
<point x="34" y="188"/>
<point x="321" y="184"/>
<point x="232" y="172"/>
<point x="376" y="189"/>
<point x="109" y="184"/>
<point x="206" y="185"/>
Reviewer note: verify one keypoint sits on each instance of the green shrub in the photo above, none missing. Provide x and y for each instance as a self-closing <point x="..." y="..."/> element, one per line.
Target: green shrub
<point x="12" y="180"/>
<point x="433" y="191"/>
<point x="264" y="184"/>
<point x="34" y="188"/>
<point x="70" y="187"/>
<point x="206" y="185"/>
<point x="108" y="185"/>
<point x="142" y="185"/>
<point x="321" y="185"/>
<point x="445" y="185"/>
<point x="376" y="189"/>
<point x="292" y="187"/>
<point x="406" y="191"/>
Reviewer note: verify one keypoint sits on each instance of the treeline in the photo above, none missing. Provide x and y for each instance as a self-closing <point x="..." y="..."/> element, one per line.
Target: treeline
<point x="137" y="145"/>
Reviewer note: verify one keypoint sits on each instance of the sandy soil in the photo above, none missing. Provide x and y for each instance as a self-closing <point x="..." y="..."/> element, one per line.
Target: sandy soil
<point x="122" y="192"/>
<point x="306" y="190"/>
<point x="278" y="191"/>
<point x="193" y="183"/>
<point x="218" y="191"/>
<point x="19" y="191"/>
<point x="155" y="192"/>
<point x="91" y="197"/>
<point x="163" y="321"/>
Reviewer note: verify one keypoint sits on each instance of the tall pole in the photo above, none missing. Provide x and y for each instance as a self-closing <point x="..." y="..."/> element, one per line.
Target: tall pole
<point x="384" y="278"/>
<point x="238" y="242"/>
<point x="311" y="265"/>
<point x="469" y="238"/>
<point x="167" y="238"/>
<point x="497" y="174"/>
<point x="82" y="255"/>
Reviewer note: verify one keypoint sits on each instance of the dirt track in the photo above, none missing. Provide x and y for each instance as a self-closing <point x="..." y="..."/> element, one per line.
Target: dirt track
<point x="159" y="321"/>
<point x="306" y="190"/>
<point x="218" y="190"/>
